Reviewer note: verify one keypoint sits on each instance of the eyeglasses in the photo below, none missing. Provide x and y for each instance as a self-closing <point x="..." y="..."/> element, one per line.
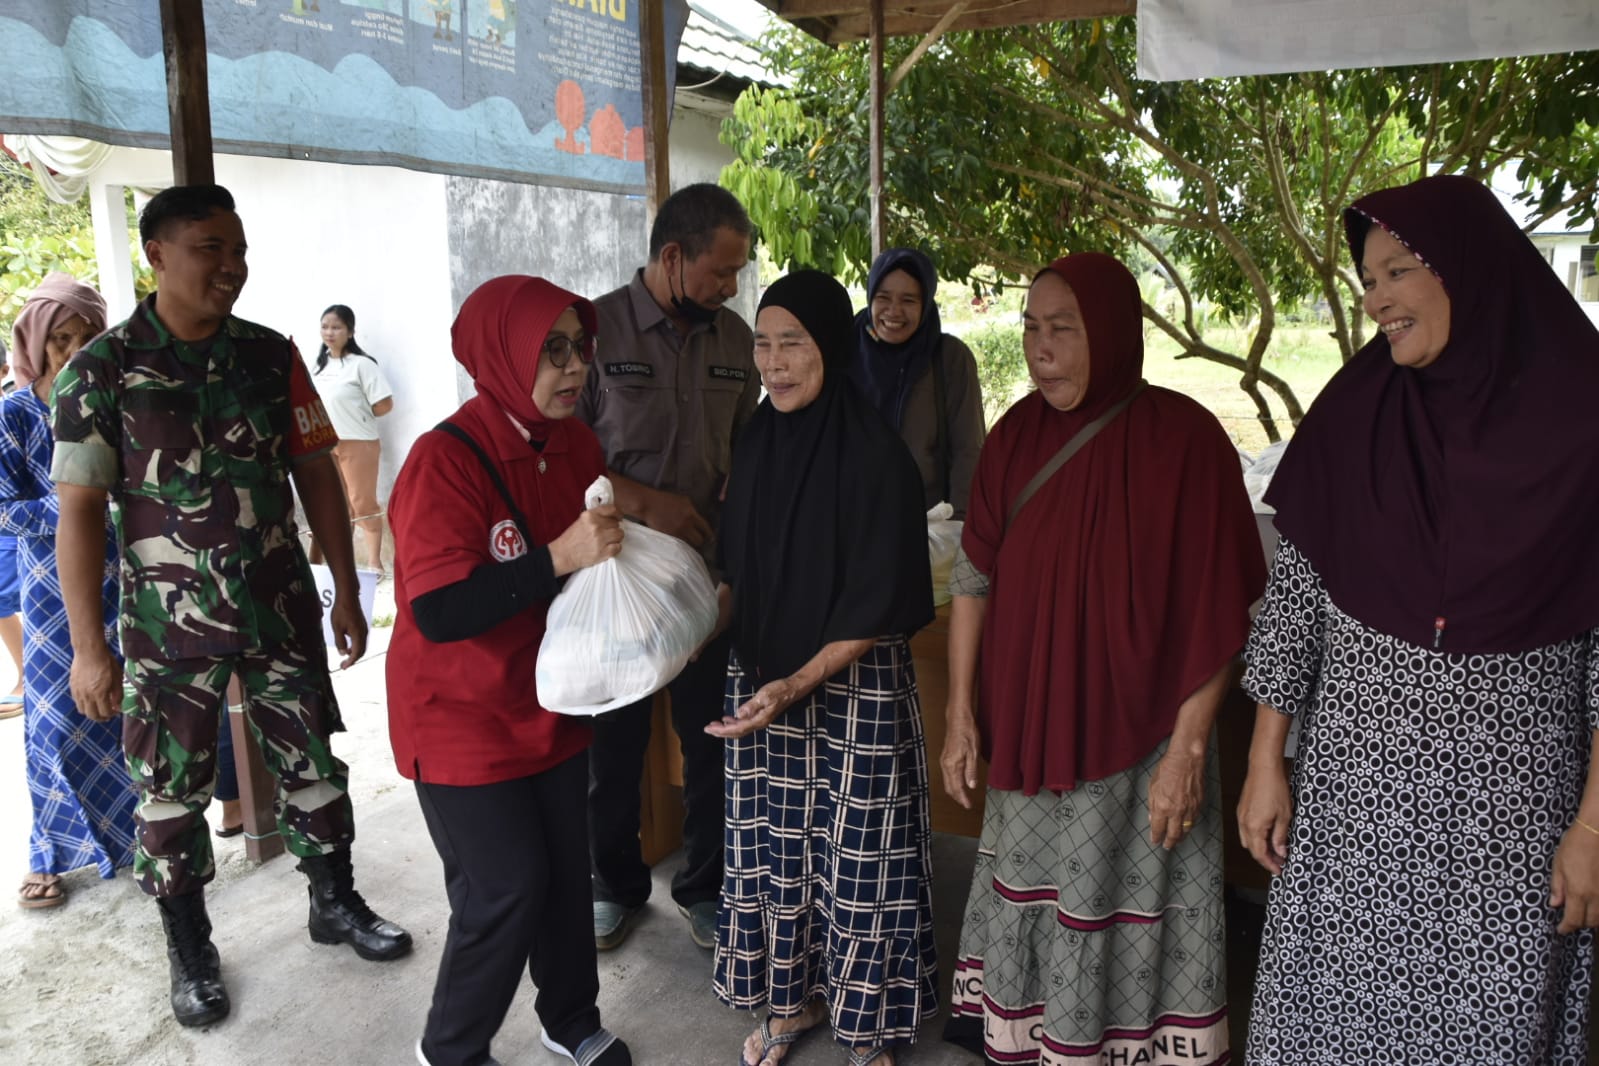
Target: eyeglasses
<point x="559" y="351"/>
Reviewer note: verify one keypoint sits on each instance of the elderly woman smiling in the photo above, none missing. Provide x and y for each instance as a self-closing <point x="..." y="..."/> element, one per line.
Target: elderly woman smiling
<point x="1433" y="620"/>
<point x="826" y="904"/>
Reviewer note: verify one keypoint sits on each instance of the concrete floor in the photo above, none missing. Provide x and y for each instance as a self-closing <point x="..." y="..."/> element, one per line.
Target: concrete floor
<point x="296" y="1002"/>
<point x="86" y="984"/>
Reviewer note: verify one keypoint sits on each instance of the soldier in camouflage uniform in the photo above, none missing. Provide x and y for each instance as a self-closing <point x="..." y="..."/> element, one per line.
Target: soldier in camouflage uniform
<point x="196" y="423"/>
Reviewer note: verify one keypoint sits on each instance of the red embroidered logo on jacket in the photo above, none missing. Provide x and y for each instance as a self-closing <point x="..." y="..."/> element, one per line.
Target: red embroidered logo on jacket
<point x="505" y="541"/>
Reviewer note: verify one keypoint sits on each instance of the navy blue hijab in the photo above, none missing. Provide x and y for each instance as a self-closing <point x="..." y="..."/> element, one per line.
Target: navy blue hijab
<point x="886" y="372"/>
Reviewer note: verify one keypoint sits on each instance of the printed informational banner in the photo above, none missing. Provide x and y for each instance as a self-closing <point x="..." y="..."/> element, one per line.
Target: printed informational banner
<point x="1180" y="40"/>
<point x="527" y="90"/>
<point x="368" y="586"/>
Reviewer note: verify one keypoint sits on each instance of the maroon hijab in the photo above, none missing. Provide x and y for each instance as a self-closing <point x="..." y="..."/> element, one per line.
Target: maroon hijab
<point x="498" y="336"/>
<point x="1457" y="506"/>
<point x="1125" y="582"/>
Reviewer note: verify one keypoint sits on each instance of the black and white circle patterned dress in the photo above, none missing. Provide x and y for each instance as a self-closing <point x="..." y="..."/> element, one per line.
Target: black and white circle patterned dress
<point x="1411" y="921"/>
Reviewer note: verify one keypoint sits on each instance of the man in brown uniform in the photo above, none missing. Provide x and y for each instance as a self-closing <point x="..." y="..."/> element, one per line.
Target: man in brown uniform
<point x="675" y="383"/>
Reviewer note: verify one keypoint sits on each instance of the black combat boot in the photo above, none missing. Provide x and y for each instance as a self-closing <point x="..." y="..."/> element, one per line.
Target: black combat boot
<point x="198" y="995"/>
<point x="340" y="916"/>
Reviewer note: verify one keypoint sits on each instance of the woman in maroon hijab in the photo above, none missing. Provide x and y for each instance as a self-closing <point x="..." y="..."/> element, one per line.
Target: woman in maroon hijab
<point x="1092" y="636"/>
<point x="488" y="516"/>
<point x="1431" y="621"/>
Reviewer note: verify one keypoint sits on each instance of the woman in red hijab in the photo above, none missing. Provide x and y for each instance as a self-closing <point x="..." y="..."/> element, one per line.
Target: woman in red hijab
<point x="1097" y="610"/>
<point x="1433" y="621"/>
<point x="488" y="517"/>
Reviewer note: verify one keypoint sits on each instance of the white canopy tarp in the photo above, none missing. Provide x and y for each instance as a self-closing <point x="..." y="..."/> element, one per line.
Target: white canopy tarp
<point x="1180" y="40"/>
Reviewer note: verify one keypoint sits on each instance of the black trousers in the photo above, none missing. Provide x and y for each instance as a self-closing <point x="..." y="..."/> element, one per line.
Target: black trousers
<point x="513" y="867"/>
<point x="616" y="767"/>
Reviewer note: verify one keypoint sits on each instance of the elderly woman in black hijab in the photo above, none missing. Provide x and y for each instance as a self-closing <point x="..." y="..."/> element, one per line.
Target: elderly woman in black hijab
<point x="923" y="380"/>
<point x="826" y="900"/>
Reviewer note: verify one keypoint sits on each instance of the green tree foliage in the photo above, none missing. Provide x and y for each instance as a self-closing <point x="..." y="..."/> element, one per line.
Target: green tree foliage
<point x="38" y="235"/>
<point x="1006" y="148"/>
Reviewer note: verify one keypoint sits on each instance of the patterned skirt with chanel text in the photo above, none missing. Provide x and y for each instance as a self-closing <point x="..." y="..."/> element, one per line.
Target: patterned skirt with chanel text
<point x="1082" y="943"/>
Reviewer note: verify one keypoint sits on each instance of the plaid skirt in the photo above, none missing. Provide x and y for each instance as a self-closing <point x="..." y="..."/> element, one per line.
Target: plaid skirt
<point x="827" y="889"/>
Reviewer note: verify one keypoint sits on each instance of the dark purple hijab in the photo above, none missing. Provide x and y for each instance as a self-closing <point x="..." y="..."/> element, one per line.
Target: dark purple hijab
<point x="1456" y="506"/>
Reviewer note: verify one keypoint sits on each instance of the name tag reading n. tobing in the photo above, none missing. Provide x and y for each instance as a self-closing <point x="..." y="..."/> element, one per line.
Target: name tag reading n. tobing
<point x="368" y="580"/>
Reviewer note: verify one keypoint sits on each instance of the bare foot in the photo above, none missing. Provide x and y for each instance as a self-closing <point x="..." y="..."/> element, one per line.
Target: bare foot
<point x="813" y="1015"/>
<point x="232" y="815"/>
<point x="41" y="890"/>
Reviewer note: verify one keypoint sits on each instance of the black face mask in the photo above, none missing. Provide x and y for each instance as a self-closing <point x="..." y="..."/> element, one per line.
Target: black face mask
<point x="691" y="311"/>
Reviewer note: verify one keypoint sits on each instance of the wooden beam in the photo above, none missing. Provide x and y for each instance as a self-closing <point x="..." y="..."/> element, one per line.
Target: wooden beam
<point x="657" y="105"/>
<point x="878" y="92"/>
<point x="842" y="21"/>
<point x="188" y="92"/>
<point x="924" y="44"/>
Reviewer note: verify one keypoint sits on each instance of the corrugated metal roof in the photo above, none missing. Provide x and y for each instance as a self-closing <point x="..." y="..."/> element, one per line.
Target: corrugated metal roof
<point x="720" y="36"/>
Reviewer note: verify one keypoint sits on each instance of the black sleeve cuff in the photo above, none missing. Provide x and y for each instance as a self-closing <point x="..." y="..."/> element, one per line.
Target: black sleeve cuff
<point x="486" y="597"/>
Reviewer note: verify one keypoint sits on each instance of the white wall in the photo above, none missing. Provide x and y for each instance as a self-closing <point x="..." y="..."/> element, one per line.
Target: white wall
<point x="320" y="233"/>
<point x="380" y="240"/>
<point x="1566" y="250"/>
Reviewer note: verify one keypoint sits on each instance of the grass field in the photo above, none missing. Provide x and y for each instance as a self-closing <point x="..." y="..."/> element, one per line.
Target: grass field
<point x="1304" y="356"/>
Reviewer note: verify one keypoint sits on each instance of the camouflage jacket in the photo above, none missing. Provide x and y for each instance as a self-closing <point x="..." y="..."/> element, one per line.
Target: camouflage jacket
<point x="194" y="444"/>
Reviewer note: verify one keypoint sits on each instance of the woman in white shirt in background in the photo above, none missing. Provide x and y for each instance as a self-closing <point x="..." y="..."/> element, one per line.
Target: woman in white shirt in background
<point x="356" y="395"/>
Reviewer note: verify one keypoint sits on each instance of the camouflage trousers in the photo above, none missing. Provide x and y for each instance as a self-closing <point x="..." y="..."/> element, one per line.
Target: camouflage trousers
<point x="169" y="734"/>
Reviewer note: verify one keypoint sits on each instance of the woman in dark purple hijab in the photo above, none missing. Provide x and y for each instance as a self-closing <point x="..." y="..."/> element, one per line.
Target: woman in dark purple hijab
<point x="1431" y="621"/>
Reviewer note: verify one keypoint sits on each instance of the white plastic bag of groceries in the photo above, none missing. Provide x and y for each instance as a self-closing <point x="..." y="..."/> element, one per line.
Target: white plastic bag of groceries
<point x="943" y="537"/>
<point x="622" y="629"/>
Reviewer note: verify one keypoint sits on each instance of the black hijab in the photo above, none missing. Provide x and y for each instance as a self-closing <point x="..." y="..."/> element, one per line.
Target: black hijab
<point x="886" y="372"/>
<point x="1457" y="505"/>
<point x="823" y="536"/>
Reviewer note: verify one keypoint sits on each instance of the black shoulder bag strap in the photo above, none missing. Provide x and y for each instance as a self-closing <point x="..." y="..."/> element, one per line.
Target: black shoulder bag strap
<point x="941" y="434"/>
<point x="494" y="475"/>
<point x="1071" y="448"/>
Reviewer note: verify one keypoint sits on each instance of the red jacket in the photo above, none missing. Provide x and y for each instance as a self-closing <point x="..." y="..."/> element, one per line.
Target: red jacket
<point x="467" y="712"/>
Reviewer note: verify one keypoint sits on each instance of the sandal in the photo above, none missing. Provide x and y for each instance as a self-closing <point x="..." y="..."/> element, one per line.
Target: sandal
<point x="867" y="1057"/>
<point x="226" y="831"/>
<point x="770" y="1040"/>
<point x="41" y="890"/>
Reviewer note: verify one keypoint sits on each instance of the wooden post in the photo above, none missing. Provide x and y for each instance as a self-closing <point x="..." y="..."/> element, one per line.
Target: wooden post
<point x="189" y="104"/>
<point x="878" y="92"/>
<point x="188" y="94"/>
<point x="257" y="789"/>
<point x="657" y="104"/>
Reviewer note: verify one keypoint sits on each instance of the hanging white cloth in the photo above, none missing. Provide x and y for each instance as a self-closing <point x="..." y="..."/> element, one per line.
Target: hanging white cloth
<point x="62" y="165"/>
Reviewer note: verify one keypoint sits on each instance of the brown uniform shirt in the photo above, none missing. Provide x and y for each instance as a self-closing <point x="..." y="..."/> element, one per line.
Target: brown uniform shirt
<point x="669" y="408"/>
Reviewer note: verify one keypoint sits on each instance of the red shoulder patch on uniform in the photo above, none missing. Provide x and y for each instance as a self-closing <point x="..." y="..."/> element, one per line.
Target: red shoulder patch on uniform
<point x="310" y="431"/>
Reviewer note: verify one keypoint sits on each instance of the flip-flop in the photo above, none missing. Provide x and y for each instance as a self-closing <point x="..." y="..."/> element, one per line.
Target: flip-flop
<point x="44" y="894"/>
<point x="770" y="1040"/>
<point x="225" y="831"/>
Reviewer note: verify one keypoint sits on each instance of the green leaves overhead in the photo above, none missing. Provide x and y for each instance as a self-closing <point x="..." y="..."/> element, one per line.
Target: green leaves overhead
<point x="1006" y="148"/>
